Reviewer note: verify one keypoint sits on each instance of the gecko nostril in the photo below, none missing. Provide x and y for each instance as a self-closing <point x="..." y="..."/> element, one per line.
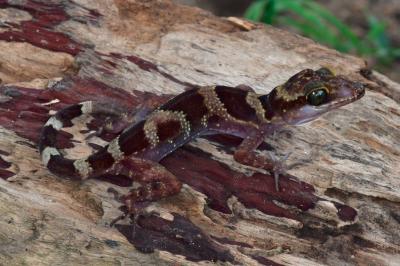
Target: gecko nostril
<point x="359" y="86"/>
<point x="359" y="89"/>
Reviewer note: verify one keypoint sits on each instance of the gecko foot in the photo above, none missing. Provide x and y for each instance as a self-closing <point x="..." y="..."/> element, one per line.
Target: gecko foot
<point x="117" y="196"/>
<point x="129" y="209"/>
<point x="279" y="168"/>
<point x="128" y="213"/>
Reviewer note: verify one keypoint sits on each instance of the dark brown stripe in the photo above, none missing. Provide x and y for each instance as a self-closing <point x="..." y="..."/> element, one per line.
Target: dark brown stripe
<point x="67" y="114"/>
<point x="234" y="101"/>
<point x="48" y="138"/>
<point x="169" y="130"/>
<point x="191" y="103"/>
<point x="100" y="161"/>
<point x="269" y="111"/>
<point x="133" y="140"/>
<point x="62" y="167"/>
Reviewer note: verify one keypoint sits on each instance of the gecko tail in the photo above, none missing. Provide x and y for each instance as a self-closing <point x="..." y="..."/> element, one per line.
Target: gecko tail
<point x="52" y="158"/>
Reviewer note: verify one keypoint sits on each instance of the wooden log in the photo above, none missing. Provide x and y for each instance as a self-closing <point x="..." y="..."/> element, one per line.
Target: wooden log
<point x="345" y="210"/>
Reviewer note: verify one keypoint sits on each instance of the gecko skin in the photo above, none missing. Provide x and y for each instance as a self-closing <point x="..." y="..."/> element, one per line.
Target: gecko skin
<point x="200" y="111"/>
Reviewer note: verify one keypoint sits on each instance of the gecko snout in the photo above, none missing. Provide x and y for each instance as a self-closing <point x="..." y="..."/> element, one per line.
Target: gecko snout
<point x="359" y="89"/>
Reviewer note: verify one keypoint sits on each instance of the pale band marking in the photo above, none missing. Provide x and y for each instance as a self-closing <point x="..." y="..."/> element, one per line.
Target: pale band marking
<point x="54" y="123"/>
<point x="47" y="153"/>
<point x="83" y="167"/>
<point x="216" y="107"/>
<point x="114" y="149"/>
<point x="255" y="103"/>
<point x="159" y="116"/>
<point x="213" y="103"/>
<point x="87" y="107"/>
<point x="282" y="93"/>
<point x="150" y="131"/>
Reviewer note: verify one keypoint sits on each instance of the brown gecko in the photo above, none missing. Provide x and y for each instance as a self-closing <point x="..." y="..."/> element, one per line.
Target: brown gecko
<point x="199" y="111"/>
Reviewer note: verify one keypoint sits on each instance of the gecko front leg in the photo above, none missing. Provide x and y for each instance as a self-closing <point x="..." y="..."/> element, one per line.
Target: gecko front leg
<point x="246" y="154"/>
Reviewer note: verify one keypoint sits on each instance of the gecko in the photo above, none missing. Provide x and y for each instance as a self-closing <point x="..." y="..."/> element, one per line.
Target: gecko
<point x="199" y="111"/>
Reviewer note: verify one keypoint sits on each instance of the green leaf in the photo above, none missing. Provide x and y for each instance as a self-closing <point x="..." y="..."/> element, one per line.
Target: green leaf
<point x="377" y="33"/>
<point x="269" y="12"/>
<point x="345" y="32"/>
<point x="256" y="10"/>
<point x="309" y="23"/>
<point x="314" y="21"/>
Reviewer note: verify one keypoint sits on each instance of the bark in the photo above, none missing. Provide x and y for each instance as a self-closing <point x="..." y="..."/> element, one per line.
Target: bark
<point x="345" y="210"/>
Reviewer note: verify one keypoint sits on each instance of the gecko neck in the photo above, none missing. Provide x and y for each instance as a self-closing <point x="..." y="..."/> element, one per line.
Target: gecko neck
<point x="269" y="111"/>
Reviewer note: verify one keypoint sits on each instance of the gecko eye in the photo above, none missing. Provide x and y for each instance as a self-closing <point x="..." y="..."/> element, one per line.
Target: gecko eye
<point x="317" y="97"/>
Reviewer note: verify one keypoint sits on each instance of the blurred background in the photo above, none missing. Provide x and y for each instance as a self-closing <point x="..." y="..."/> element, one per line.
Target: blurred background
<point x="367" y="28"/>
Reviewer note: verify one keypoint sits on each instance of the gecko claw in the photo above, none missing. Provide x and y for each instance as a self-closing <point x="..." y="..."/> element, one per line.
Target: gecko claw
<point x="276" y="178"/>
<point x="119" y="218"/>
<point x="279" y="168"/>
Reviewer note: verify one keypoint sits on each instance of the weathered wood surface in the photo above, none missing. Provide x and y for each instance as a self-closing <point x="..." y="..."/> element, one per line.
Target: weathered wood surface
<point x="61" y="52"/>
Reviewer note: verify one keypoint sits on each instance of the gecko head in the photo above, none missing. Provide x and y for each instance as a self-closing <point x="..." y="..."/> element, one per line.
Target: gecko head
<point x="309" y="93"/>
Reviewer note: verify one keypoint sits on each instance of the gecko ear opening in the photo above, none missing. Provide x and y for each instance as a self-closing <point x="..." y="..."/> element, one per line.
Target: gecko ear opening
<point x="325" y="72"/>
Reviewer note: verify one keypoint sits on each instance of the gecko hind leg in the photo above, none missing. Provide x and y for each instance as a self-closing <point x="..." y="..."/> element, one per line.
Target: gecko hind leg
<point x="112" y="119"/>
<point x="156" y="182"/>
<point x="139" y="208"/>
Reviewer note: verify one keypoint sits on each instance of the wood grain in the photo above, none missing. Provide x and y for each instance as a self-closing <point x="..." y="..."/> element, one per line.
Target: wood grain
<point x="140" y="53"/>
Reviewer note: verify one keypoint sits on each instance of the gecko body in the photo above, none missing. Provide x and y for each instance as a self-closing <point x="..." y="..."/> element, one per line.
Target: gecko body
<point x="199" y="111"/>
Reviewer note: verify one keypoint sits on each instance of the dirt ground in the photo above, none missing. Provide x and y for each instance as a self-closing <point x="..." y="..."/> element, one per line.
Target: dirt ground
<point x="354" y="13"/>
